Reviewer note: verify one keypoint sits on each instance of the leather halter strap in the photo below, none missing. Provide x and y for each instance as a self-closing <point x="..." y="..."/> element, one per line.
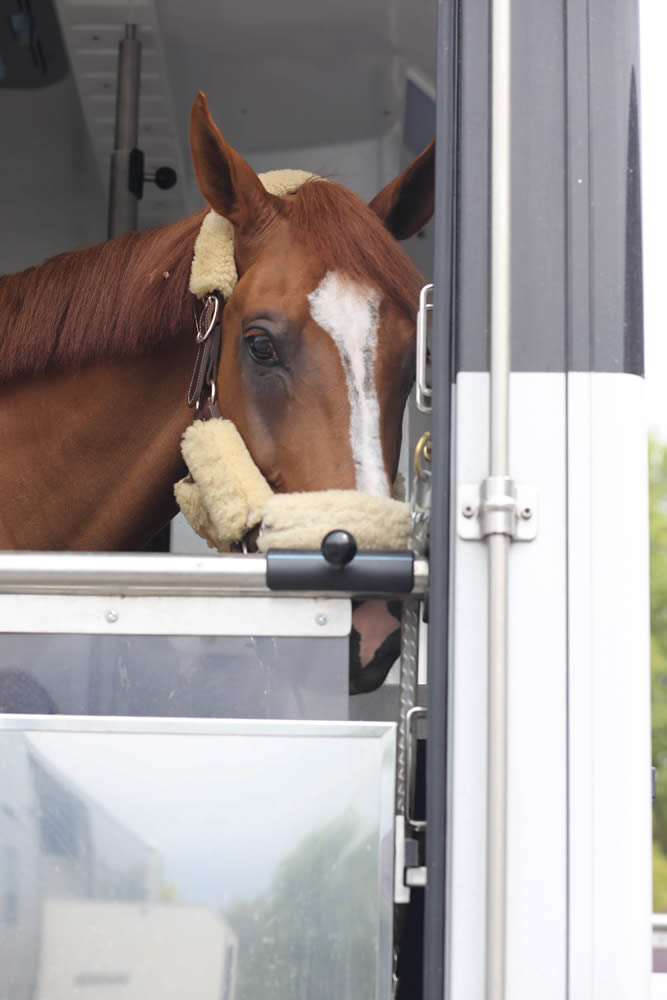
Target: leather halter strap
<point x="202" y="391"/>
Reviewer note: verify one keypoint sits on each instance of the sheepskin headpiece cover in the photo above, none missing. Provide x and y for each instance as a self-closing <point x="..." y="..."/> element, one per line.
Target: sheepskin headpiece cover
<point x="226" y="495"/>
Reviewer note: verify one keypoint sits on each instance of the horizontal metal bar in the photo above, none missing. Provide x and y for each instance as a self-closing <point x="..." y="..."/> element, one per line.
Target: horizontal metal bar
<point x="152" y="574"/>
<point x="62" y="724"/>
<point x="143" y="615"/>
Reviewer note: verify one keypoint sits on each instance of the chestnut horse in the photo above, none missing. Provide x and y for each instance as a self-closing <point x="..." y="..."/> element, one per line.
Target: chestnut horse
<point x="97" y="348"/>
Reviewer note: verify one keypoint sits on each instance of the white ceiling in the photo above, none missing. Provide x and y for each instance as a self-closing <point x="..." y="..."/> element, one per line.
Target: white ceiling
<point x="291" y="73"/>
<point x="278" y="75"/>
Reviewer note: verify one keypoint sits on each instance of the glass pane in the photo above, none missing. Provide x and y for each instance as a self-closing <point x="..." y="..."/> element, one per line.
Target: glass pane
<point x="174" y="676"/>
<point x="200" y="865"/>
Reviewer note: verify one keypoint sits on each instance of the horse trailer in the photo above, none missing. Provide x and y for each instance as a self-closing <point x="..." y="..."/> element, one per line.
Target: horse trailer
<point x="376" y="746"/>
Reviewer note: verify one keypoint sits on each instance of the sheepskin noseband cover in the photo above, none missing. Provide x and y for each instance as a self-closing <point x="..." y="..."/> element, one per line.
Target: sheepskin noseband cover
<point x="226" y="496"/>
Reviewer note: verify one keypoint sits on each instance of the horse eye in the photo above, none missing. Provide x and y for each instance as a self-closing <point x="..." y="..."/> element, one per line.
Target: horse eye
<point x="262" y="349"/>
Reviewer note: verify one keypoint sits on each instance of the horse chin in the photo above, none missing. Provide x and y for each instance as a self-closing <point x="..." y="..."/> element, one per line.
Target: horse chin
<point x="375" y="644"/>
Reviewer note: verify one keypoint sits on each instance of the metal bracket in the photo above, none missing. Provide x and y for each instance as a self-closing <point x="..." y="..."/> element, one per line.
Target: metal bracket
<point x="415" y="878"/>
<point x="498" y="506"/>
<point x="408" y="873"/>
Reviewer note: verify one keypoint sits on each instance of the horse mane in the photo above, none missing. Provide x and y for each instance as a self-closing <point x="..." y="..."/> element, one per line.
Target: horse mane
<point x="124" y="297"/>
<point x="117" y="298"/>
<point x="346" y="235"/>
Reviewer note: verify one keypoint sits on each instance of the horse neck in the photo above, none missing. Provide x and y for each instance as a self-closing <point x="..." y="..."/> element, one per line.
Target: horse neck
<point x="91" y="453"/>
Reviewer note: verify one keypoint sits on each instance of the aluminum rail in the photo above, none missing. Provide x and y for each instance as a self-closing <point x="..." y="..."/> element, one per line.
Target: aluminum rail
<point x="123" y="203"/>
<point x="153" y="574"/>
<point x="498" y="544"/>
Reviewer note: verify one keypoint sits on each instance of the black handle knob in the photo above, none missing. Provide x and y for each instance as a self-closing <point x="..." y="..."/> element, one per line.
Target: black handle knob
<point x="165" y="178"/>
<point x="339" y="548"/>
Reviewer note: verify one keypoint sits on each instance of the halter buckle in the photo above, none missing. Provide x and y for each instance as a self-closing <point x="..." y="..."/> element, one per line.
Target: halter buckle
<point x="207" y="318"/>
<point x="202" y="391"/>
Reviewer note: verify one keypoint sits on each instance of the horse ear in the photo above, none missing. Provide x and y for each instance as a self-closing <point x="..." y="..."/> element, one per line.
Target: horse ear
<point x="227" y="182"/>
<point x="406" y="204"/>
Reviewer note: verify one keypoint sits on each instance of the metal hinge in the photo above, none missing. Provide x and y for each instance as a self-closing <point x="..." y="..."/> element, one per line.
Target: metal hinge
<point x="498" y="506"/>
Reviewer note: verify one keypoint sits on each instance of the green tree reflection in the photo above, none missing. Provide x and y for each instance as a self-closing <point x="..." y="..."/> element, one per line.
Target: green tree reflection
<point x="658" y="537"/>
<point x="313" y="935"/>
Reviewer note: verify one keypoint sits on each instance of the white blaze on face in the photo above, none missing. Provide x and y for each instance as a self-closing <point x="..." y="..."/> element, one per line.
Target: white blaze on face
<point x="349" y="313"/>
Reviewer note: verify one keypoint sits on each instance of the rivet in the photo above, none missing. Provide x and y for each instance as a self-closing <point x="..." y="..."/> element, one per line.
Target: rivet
<point x="468" y="510"/>
<point x="321" y="619"/>
<point x="111" y="615"/>
<point x="526" y="513"/>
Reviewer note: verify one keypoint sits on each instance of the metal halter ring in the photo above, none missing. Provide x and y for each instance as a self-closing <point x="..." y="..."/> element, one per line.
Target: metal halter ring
<point x="207" y="319"/>
<point x="423" y="454"/>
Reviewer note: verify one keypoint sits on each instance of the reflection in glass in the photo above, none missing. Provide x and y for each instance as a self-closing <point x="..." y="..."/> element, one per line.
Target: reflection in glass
<point x="159" y="865"/>
<point x="174" y="676"/>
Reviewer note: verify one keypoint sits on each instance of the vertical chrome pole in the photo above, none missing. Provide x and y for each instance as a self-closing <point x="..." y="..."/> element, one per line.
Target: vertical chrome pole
<point x="498" y="544"/>
<point x="122" y="202"/>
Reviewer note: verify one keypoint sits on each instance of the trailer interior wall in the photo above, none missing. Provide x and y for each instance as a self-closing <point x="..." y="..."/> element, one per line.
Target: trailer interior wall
<point x="51" y="195"/>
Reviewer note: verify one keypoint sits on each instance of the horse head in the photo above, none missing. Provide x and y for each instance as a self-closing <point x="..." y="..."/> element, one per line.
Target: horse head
<point x="318" y="336"/>
<point x="319" y="332"/>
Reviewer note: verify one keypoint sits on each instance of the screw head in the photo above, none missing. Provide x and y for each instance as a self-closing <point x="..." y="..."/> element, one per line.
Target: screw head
<point x="468" y="510"/>
<point x="526" y="513"/>
<point x="111" y="615"/>
<point x="321" y="619"/>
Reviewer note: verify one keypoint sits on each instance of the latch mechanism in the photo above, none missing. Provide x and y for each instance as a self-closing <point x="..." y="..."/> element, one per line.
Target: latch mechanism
<point x="497" y="506"/>
<point x="409" y="873"/>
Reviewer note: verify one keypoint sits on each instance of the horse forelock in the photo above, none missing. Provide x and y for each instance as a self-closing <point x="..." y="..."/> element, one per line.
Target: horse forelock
<point x="119" y="298"/>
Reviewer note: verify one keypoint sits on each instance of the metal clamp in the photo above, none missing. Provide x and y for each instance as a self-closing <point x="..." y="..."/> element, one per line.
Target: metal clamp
<point x="498" y="506"/>
<point x="423" y="390"/>
<point x="408" y="873"/>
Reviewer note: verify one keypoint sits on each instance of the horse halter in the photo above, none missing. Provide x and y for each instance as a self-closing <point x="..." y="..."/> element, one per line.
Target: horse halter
<point x="213" y="276"/>
<point x="202" y="391"/>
